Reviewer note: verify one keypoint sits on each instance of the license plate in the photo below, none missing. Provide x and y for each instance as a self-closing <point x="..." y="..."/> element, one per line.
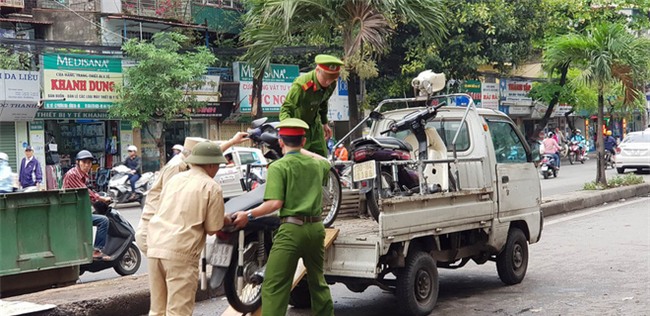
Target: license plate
<point x="221" y="254"/>
<point x="364" y="171"/>
<point x="544" y="168"/>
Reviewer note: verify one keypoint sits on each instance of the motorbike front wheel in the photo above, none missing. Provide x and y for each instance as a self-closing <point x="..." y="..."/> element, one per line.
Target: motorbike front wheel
<point x="331" y="198"/>
<point x="243" y="289"/>
<point x="572" y="157"/>
<point x="387" y="189"/>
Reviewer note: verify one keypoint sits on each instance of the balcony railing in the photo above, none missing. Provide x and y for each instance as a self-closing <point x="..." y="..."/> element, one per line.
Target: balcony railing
<point x="172" y="9"/>
<point x="12" y="3"/>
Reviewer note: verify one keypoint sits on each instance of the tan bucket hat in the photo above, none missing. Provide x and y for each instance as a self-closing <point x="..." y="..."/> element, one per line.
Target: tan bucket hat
<point x="206" y="153"/>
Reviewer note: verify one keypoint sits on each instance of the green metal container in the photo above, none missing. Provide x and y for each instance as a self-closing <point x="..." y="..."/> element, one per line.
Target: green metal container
<point x="44" y="230"/>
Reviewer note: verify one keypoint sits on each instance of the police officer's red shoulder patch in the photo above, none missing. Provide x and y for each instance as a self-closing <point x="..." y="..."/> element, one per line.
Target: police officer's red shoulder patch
<point x="307" y="85"/>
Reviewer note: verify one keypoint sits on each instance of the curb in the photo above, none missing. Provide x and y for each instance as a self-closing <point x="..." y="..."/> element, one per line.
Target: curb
<point x="130" y="295"/>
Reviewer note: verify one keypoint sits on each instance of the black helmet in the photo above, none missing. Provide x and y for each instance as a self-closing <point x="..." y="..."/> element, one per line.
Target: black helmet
<point x="84" y="154"/>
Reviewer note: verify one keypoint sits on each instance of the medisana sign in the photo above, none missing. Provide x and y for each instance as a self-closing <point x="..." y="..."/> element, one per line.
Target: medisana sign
<point x="84" y="81"/>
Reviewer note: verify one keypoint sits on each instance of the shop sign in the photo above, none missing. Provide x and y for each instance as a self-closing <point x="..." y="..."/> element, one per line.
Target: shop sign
<point x="229" y="92"/>
<point x="81" y="81"/>
<point x="209" y="91"/>
<point x="338" y="106"/>
<point x="490" y="95"/>
<point x="276" y="84"/>
<point x="218" y="109"/>
<point x="70" y="115"/>
<point x="473" y="88"/>
<point x="520" y="110"/>
<point x="19" y="95"/>
<point x="515" y="92"/>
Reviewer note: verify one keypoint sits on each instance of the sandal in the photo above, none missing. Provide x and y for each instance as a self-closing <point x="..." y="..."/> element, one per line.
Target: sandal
<point x="99" y="255"/>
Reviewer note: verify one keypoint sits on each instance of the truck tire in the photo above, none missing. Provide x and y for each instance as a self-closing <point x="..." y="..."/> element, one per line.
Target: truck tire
<point x="300" y="296"/>
<point x="512" y="262"/>
<point x="130" y="261"/>
<point x="417" y="284"/>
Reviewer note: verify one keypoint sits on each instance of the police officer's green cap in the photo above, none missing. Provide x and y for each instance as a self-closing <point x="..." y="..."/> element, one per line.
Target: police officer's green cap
<point x="206" y="153"/>
<point x="292" y="127"/>
<point x="328" y="63"/>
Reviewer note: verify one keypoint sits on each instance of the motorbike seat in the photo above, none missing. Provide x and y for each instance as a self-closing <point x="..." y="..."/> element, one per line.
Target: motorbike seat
<point x="246" y="201"/>
<point x="383" y="141"/>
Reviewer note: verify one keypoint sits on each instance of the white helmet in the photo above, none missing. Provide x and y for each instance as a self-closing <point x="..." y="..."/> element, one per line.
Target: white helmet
<point x="4" y="157"/>
<point x="132" y="148"/>
<point x="178" y="147"/>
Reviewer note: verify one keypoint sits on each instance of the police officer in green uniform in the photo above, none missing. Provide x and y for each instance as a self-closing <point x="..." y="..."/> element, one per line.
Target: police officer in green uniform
<point x="307" y="100"/>
<point x="294" y="186"/>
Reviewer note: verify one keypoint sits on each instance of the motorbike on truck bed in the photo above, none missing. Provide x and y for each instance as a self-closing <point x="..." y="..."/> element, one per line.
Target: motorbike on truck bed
<point x="472" y="193"/>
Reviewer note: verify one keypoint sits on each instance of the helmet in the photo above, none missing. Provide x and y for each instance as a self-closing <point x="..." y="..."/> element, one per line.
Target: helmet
<point x="550" y="134"/>
<point x="178" y="147"/>
<point x="4" y="157"/>
<point x="578" y="130"/>
<point x="609" y="133"/>
<point x="132" y="148"/>
<point x="84" y="154"/>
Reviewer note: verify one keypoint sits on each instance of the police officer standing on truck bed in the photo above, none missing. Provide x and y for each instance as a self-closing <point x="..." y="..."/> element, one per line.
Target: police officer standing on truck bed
<point x="307" y="100"/>
<point x="294" y="186"/>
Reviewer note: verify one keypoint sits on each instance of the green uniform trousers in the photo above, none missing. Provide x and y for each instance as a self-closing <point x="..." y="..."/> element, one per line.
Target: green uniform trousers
<point x="316" y="139"/>
<point x="290" y="243"/>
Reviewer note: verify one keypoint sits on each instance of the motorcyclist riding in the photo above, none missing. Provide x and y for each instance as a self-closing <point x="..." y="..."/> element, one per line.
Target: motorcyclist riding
<point x="552" y="148"/>
<point x="610" y="142"/>
<point x="580" y="139"/>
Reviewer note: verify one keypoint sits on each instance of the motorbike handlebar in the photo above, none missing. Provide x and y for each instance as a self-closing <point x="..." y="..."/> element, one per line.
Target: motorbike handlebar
<point x="407" y="122"/>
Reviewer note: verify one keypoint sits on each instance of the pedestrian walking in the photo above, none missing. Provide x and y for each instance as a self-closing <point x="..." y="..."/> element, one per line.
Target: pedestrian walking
<point x="307" y="100"/>
<point x="191" y="206"/>
<point x="294" y="186"/>
<point x="30" y="174"/>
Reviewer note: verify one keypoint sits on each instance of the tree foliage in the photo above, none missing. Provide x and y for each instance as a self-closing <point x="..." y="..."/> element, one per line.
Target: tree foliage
<point x="10" y="60"/>
<point x="607" y="56"/>
<point x="156" y="86"/>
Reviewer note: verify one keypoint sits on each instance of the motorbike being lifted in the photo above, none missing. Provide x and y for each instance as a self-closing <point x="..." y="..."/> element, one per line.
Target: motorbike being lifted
<point x="120" y="245"/>
<point x="239" y="257"/>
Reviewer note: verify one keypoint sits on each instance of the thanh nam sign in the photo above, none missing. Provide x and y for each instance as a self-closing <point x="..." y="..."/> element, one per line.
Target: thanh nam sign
<point x="85" y="81"/>
<point x="19" y="95"/>
<point x="515" y="92"/>
<point x="276" y="84"/>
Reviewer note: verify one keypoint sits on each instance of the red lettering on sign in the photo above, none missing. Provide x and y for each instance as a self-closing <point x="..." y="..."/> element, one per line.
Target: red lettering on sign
<point x="68" y="85"/>
<point x="102" y="86"/>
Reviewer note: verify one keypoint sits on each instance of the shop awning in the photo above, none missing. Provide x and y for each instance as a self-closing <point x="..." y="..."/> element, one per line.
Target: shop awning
<point x="156" y="21"/>
<point x="26" y="21"/>
<point x="18" y="111"/>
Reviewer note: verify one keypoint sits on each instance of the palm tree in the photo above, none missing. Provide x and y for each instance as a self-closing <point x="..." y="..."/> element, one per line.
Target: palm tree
<point x="362" y="27"/>
<point x="607" y="55"/>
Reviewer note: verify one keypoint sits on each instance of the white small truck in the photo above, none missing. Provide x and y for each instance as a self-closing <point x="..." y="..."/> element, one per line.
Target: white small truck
<point x="486" y="206"/>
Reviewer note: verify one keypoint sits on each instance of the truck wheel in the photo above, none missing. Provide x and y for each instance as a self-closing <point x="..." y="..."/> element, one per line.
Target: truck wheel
<point x="300" y="296"/>
<point x="417" y="284"/>
<point x="512" y="262"/>
<point x="130" y="261"/>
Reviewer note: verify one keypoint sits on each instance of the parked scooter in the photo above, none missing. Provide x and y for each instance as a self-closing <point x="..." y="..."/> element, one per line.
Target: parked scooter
<point x="575" y="153"/>
<point x="239" y="257"/>
<point x="120" y="245"/>
<point x="548" y="166"/>
<point x="120" y="189"/>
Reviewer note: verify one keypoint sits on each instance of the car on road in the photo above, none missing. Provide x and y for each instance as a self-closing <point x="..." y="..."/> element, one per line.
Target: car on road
<point x="633" y="152"/>
<point x="229" y="175"/>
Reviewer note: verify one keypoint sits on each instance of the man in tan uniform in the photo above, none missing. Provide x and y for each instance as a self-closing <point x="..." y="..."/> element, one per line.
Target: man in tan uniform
<point x="174" y="166"/>
<point x="191" y="206"/>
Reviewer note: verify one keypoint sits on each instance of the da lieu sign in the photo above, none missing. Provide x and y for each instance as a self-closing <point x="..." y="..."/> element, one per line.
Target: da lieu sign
<point x="19" y="95"/>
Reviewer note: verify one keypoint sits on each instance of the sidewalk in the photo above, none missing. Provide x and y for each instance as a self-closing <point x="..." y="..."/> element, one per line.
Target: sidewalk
<point x="130" y="295"/>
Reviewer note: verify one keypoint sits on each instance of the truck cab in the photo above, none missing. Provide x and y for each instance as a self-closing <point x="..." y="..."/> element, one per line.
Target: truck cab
<point x="229" y="174"/>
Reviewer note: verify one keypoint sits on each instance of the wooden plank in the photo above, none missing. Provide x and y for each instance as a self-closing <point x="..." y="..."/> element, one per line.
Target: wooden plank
<point x="330" y="236"/>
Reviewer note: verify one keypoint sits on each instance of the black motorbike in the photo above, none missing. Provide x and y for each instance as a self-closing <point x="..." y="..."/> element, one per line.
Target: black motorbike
<point x="120" y="245"/>
<point x="548" y="166"/>
<point x="239" y="256"/>
<point x="395" y="179"/>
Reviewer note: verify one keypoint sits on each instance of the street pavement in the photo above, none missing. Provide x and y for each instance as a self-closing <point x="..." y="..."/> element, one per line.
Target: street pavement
<point x="591" y="262"/>
<point x="571" y="178"/>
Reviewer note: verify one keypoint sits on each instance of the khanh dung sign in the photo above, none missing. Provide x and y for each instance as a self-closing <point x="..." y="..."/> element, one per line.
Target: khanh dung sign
<point x="85" y="81"/>
<point x="276" y="84"/>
